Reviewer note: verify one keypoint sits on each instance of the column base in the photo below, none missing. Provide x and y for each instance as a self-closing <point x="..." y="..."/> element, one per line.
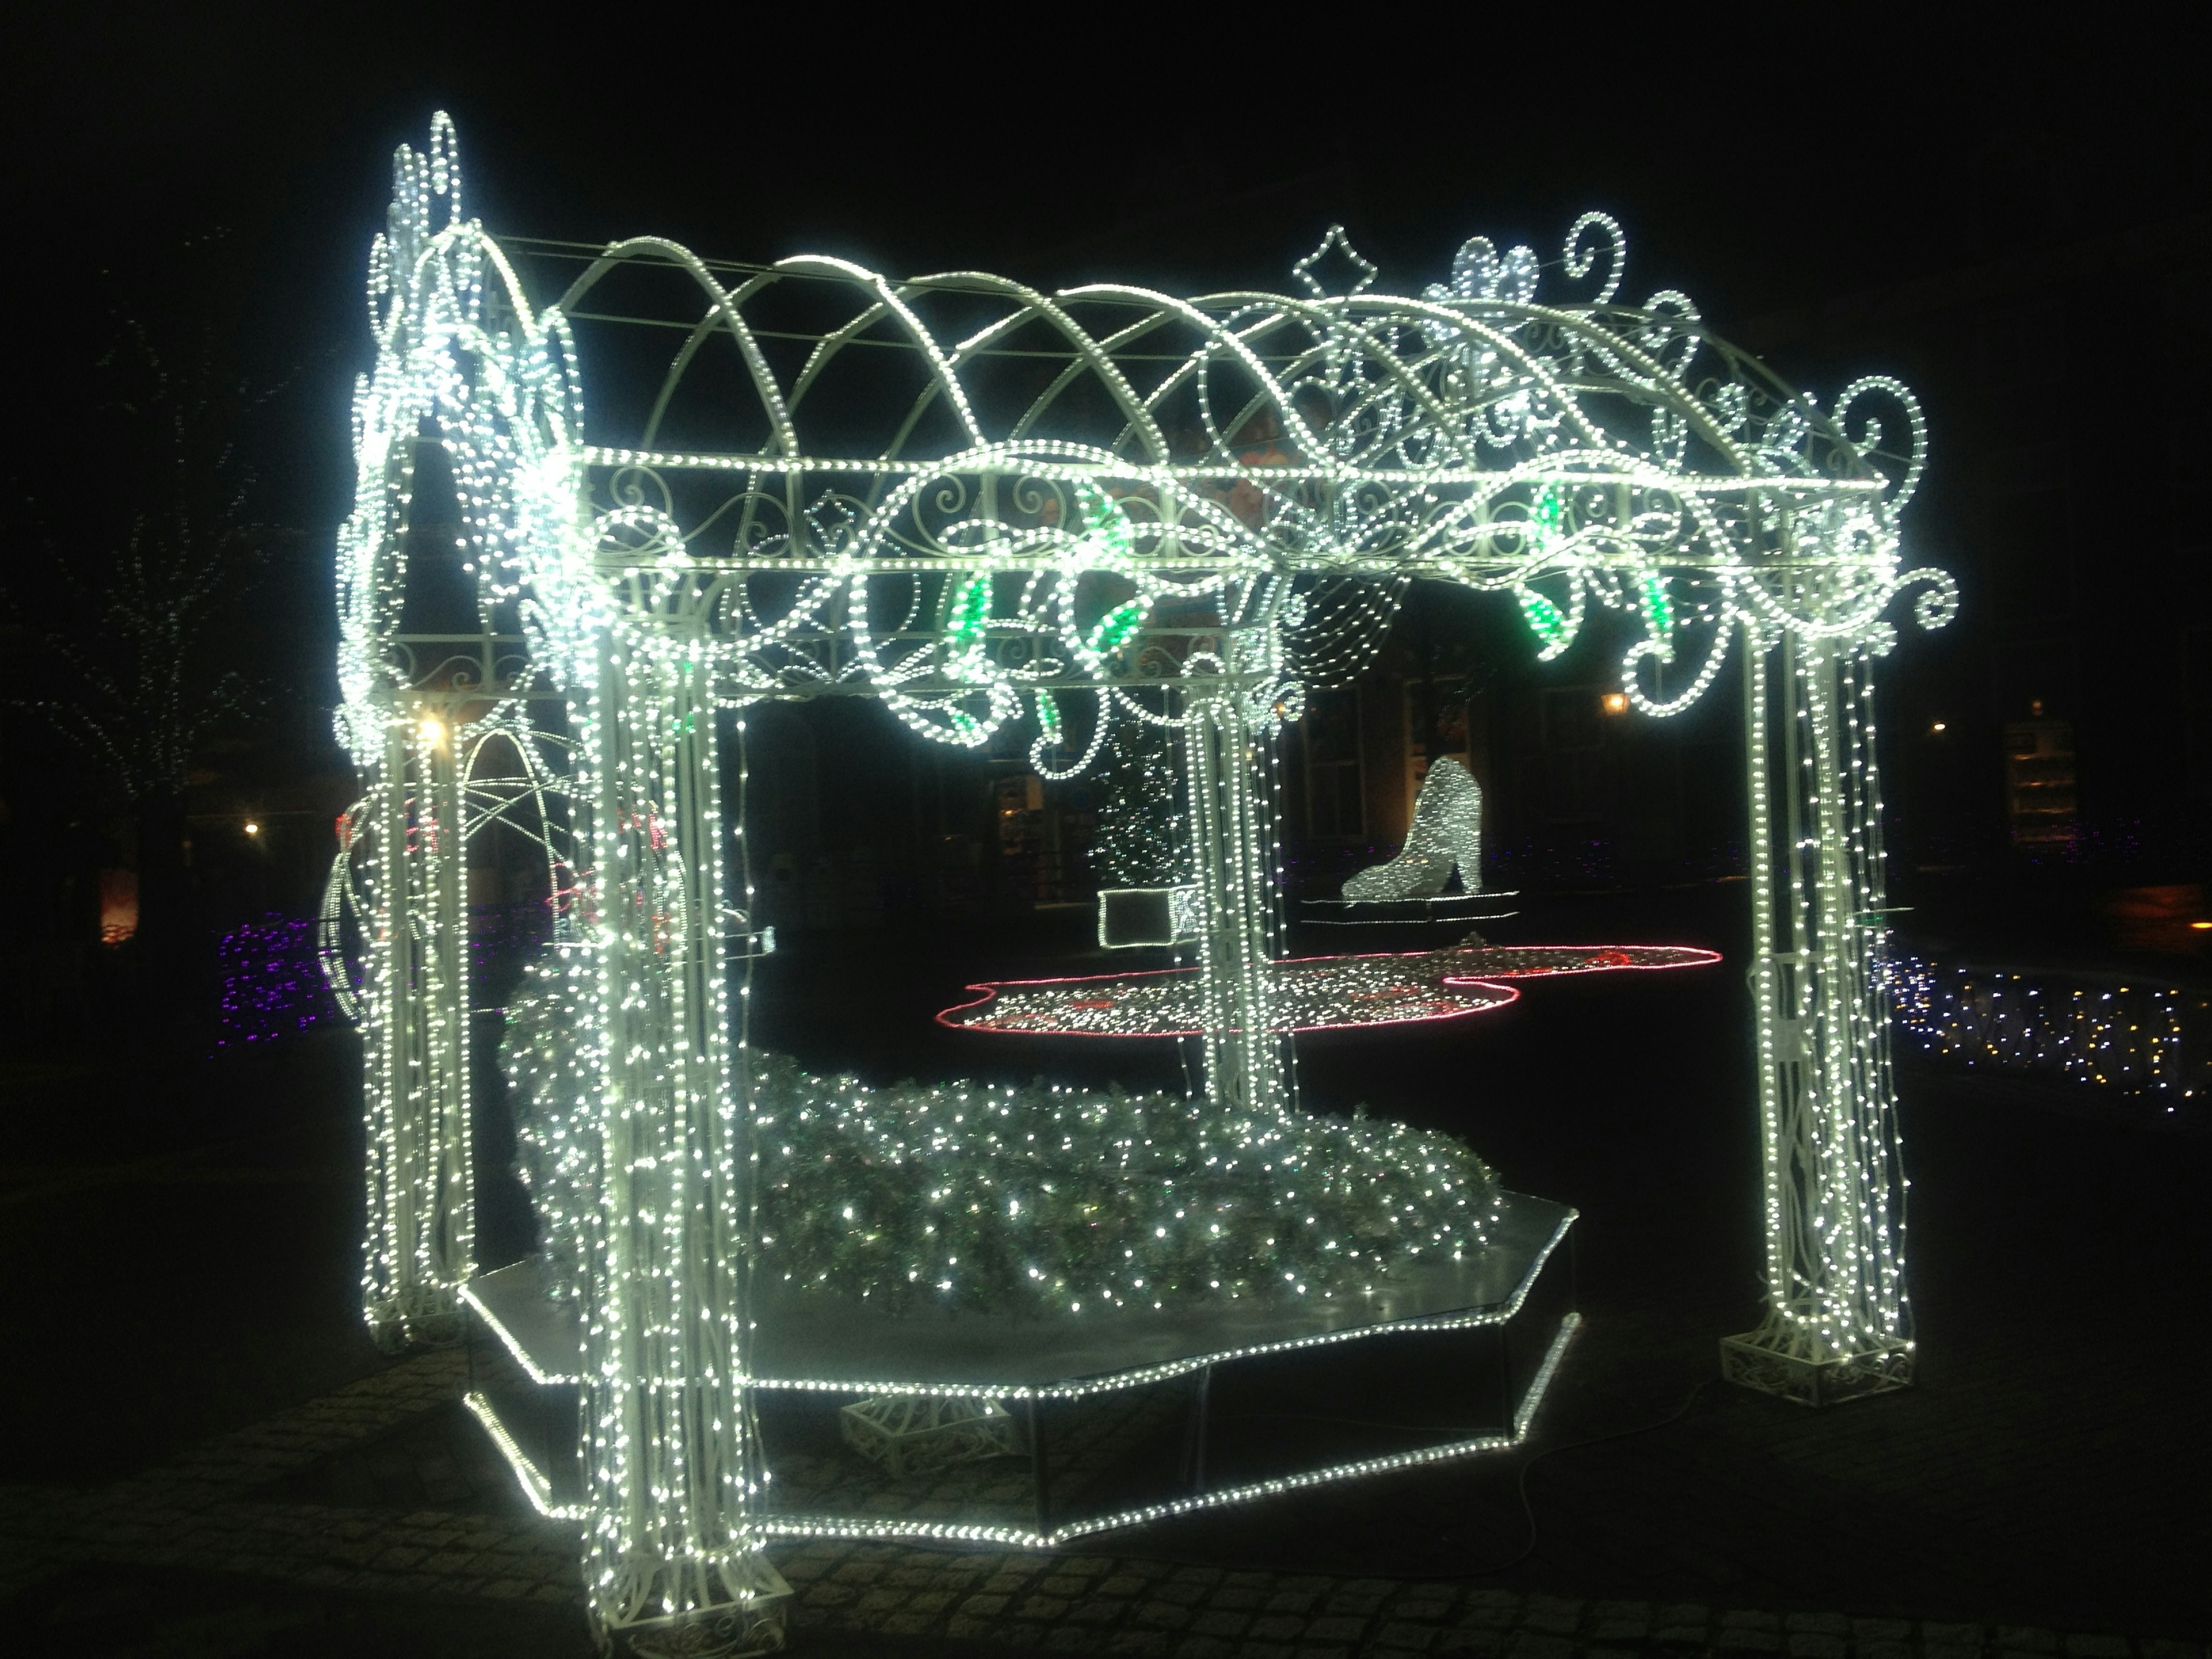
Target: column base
<point x="432" y="1320"/>
<point x="729" y="1630"/>
<point x="1749" y="1362"/>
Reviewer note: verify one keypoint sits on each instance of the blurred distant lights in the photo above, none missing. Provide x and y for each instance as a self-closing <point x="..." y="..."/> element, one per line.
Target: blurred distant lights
<point x="1615" y="703"/>
<point x="2202" y="926"/>
<point x="252" y="828"/>
<point x="432" y="730"/>
<point x="1938" y="729"/>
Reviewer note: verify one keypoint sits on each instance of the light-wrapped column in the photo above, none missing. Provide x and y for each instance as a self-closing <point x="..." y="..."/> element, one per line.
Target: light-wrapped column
<point x="1232" y="862"/>
<point x="670" y="1454"/>
<point x="1837" y="1322"/>
<point x="421" y="1242"/>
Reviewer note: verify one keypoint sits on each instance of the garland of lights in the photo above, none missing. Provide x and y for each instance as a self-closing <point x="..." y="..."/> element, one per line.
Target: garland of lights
<point x="2133" y="1038"/>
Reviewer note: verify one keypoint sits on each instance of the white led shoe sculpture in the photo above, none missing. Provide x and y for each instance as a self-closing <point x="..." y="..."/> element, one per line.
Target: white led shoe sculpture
<point x="1446" y="835"/>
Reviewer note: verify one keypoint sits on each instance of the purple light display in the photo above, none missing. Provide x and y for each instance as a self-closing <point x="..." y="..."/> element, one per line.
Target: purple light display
<point x="272" y="981"/>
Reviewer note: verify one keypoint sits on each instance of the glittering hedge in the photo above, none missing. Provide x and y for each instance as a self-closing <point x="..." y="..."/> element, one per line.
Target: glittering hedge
<point x="1046" y="1199"/>
<point x="1040" y="1199"/>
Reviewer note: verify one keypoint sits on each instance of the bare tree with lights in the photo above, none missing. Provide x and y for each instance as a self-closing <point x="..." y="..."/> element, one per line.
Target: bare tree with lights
<point x="132" y="613"/>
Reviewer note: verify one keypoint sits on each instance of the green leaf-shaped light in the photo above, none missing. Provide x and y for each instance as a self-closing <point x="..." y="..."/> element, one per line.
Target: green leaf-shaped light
<point x="1106" y="526"/>
<point x="970" y="611"/>
<point x="1115" y="626"/>
<point x="1658" y="609"/>
<point x="1546" y="621"/>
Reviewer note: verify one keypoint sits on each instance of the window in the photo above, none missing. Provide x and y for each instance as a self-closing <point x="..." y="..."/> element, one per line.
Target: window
<point x="1334" y="807"/>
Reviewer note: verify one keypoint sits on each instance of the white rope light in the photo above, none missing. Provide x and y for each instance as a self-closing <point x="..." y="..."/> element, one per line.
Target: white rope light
<point x="1101" y="507"/>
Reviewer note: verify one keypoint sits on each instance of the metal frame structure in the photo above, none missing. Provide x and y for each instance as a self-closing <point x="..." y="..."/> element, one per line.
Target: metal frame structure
<point x="982" y="505"/>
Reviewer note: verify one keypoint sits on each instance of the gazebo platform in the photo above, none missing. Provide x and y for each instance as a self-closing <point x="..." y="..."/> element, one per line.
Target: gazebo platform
<point x="1029" y="1431"/>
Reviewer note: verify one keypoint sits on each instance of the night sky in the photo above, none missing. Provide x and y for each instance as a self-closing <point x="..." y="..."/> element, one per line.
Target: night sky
<point x="1753" y="166"/>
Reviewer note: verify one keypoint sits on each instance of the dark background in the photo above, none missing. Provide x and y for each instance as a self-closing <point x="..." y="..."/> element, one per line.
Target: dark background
<point x="2004" y="208"/>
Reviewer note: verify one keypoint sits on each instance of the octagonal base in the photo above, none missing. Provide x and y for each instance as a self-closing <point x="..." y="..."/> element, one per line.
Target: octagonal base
<point x="1110" y="1420"/>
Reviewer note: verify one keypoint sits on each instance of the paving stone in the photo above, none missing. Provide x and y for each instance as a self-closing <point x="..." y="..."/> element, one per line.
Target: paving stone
<point x="1479" y="1641"/>
<point x="1880" y="1629"/>
<point x="2159" y="1647"/>
<point x="1822" y="1623"/>
<point x="1356" y="1603"/>
<point x="1237" y="1598"/>
<point x="1817" y="1644"/>
<point x="1402" y="1635"/>
<point x="1278" y="1627"/>
<point x="877" y="1602"/>
<point x="1204" y="1647"/>
<point x="983" y="1607"/>
<point x="908" y="1623"/>
<point x="1434" y="1608"/>
<point x="1122" y="1583"/>
<point x="1538" y="1644"/>
<point x="2017" y="1638"/>
<point x="1553" y="1614"/>
<point x="1015" y="1633"/>
<point x="1219" y="1623"/>
<point x="2097" y="1647"/>
<point x="1163" y="1615"/>
<point x="1071" y="1639"/>
<point x="1098" y="1610"/>
<point x="1336" y="1628"/>
<point x="1881" y="1647"/>
<point x="1749" y="1641"/>
<point x="1142" y="1643"/>
<point x="1186" y="1595"/>
<point x="1949" y="1651"/>
<point x="1740" y="1619"/>
<point x="1264" y="1651"/>
<point x="1490" y="1614"/>
<point x="1951" y="1635"/>
<point x="1291" y="1601"/>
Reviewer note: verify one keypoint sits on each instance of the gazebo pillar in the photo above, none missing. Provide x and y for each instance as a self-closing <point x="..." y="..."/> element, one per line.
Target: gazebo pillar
<point x="1836" y="1321"/>
<point x="1232" y="862"/>
<point x="421" y="1242"/>
<point x="671" y="1457"/>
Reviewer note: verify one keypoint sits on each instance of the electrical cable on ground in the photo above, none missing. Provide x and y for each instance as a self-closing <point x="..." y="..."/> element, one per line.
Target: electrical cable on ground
<point x="1521" y="1483"/>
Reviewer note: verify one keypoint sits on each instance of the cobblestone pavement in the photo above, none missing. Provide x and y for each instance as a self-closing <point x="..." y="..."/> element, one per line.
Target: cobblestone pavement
<point x="221" y="1511"/>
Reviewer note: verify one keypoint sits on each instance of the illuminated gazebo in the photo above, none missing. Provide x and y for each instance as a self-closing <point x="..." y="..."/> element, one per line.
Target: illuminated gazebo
<point x="989" y="507"/>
